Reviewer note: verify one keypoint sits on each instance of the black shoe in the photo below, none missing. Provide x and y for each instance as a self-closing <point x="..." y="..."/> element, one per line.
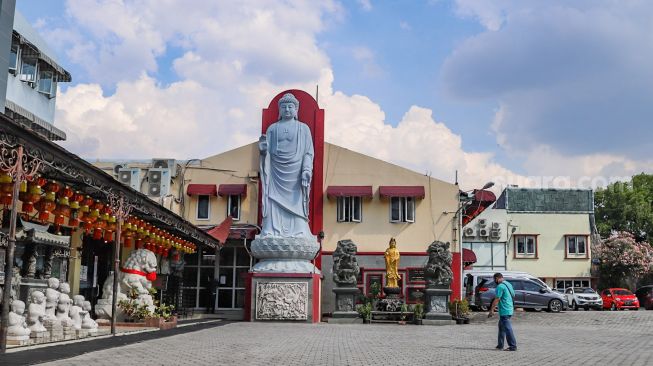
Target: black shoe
<point x="511" y="349"/>
<point x="498" y="348"/>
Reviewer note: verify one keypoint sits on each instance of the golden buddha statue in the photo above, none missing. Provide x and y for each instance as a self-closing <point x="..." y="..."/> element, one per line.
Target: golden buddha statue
<point x="392" y="265"/>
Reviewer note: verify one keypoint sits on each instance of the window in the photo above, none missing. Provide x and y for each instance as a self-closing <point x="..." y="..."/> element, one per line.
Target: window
<point x="13" y="58"/>
<point x="46" y="83"/>
<point x="203" y="207"/>
<point x="28" y="69"/>
<point x="350" y="209"/>
<point x="489" y="256"/>
<point x="525" y="246"/>
<point x="402" y="209"/>
<point x="576" y="246"/>
<point x="531" y="286"/>
<point x="233" y="207"/>
<point x="562" y="284"/>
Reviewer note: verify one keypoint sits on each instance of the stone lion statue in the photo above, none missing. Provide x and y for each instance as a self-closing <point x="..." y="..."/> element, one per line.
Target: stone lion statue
<point x="345" y="266"/>
<point x="438" y="268"/>
<point x="136" y="275"/>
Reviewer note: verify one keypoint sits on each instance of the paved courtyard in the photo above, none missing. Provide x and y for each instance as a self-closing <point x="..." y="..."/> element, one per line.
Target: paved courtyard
<point x="567" y="338"/>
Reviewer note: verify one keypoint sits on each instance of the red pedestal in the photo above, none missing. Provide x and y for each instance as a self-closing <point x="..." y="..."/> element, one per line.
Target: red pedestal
<point x="456" y="267"/>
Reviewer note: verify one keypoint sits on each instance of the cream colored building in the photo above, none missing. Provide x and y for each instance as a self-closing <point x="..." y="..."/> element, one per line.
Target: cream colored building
<point x="545" y="232"/>
<point x="365" y="199"/>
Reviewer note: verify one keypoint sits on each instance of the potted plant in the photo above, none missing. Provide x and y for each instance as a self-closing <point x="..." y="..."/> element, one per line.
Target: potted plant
<point x="163" y="316"/>
<point x="418" y="313"/>
<point x="133" y="311"/>
<point x="365" y="311"/>
<point x="402" y="315"/>
<point x="459" y="310"/>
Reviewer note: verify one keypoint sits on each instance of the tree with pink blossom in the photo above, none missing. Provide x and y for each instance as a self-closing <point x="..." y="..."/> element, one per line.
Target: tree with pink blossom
<point x="623" y="260"/>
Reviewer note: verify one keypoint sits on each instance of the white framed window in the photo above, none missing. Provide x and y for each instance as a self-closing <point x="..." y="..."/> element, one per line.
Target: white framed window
<point x="46" y="83"/>
<point x="13" y="58"/>
<point x="576" y="246"/>
<point x="402" y="209"/>
<point x="203" y="207"/>
<point x="233" y="207"/>
<point x="525" y="246"/>
<point x="350" y="209"/>
<point x="28" y="69"/>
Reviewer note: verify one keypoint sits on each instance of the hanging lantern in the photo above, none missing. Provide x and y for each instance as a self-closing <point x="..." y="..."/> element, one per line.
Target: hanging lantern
<point x="63" y="205"/>
<point x="47" y="204"/>
<point x="108" y="236"/>
<point x="31" y="196"/>
<point x="6" y="189"/>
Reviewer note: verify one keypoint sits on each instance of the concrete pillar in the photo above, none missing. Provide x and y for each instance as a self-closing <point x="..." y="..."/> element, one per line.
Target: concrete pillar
<point x="75" y="262"/>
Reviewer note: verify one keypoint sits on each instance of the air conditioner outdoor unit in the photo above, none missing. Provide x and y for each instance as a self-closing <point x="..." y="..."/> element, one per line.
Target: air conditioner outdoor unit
<point x="158" y="182"/>
<point x="117" y="168"/>
<point x="469" y="231"/>
<point x="130" y="177"/>
<point x="483" y="232"/>
<point x="482" y="222"/>
<point x="169" y="164"/>
<point x="495" y="234"/>
<point x="496" y="225"/>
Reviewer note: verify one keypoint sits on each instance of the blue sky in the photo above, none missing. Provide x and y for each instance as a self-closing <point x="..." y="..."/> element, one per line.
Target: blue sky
<point x="506" y="88"/>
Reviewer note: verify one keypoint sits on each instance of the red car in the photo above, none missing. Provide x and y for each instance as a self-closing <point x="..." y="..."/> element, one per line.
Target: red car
<point x="619" y="299"/>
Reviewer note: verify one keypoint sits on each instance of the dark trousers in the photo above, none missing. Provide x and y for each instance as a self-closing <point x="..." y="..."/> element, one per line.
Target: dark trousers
<point x="505" y="332"/>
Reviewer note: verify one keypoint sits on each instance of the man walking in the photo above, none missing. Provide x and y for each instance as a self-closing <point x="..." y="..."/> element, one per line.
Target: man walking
<point x="504" y="295"/>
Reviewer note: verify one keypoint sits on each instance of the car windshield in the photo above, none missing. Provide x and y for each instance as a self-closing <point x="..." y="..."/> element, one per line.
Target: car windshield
<point x="622" y="292"/>
<point x="584" y="290"/>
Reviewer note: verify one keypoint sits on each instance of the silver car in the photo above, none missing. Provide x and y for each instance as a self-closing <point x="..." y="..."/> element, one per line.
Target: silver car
<point x="583" y="297"/>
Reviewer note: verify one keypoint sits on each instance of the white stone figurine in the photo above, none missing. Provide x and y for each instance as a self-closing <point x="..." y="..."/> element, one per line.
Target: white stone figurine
<point x="76" y="312"/>
<point x="286" y="243"/>
<point x="36" y="312"/>
<point x="51" y="299"/>
<point x="64" y="288"/>
<point x="63" y="311"/>
<point x="17" y="325"/>
<point x="137" y="274"/>
<point x="87" y="321"/>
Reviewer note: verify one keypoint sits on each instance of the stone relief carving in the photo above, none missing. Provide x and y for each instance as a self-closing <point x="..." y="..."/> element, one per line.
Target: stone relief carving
<point x="345" y="266"/>
<point x="437" y="271"/>
<point x="282" y="301"/>
<point x="439" y="304"/>
<point x="345" y="303"/>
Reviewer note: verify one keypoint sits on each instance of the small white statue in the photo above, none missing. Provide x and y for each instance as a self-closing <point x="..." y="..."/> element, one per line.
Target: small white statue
<point x="64" y="288"/>
<point x="36" y="312"/>
<point x="17" y="325"/>
<point x="63" y="310"/>
<point x="76" y="312"/>
<point x="87" y="321"/>
<point x="51" y="299"/>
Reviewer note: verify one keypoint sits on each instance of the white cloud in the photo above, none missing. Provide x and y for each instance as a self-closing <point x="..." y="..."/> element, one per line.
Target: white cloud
<point x="366" y="5"/>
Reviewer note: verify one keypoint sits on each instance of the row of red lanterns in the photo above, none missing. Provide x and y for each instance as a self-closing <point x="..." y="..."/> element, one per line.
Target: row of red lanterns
<point x="62" y="206"/>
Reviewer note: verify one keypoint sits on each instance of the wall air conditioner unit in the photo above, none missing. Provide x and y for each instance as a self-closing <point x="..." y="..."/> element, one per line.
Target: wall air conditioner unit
<point x="483" y="232"/>
<point x="169" y="164"/>
<point x="495" y="234"/>
<point x="482" y="222"/>
<point x="117" y="168"/>
<point x="469" y="231"/>
<point x="496" y="225"/>
<point x="158" y="182"/>
<point x="130" y="177"/>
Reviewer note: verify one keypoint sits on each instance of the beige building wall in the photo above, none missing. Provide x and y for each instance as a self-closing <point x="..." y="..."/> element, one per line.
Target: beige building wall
<point x="552" y="228"/>
<point x="344" y="167"/>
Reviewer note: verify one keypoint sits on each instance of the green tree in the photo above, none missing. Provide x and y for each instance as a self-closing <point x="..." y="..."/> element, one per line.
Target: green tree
<point x="624" y="260"/>
<point x="626" y="206"/>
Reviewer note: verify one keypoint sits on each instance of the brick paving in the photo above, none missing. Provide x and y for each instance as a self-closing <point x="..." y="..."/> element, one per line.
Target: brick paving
<point x="543" y="339"/>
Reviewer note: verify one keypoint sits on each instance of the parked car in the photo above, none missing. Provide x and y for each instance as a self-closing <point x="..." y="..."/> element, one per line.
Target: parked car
<point x="529" y="294"/>
<point x="583" y="297"/>
<point x="619" y="299"/>
<point x="471" y="280"/>
<point x="645" y="296"/>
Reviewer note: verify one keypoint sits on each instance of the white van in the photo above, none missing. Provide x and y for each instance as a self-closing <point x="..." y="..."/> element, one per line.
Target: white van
<point x="471" y="279"/>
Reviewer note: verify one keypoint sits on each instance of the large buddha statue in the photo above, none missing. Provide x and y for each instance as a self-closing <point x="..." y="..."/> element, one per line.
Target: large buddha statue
<point x="286" y="243"/>
<point x="392" y="256"/>
<point x="286" y="170"/>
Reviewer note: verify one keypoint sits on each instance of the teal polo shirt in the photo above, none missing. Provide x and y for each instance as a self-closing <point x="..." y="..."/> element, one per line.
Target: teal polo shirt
<point x="505" y="293"/>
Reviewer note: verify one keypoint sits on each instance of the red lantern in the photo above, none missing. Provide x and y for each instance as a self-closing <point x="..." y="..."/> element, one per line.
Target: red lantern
<point x="108" y="236"/>
<point x="97" y="234"/>
<point x="6" y="189"/>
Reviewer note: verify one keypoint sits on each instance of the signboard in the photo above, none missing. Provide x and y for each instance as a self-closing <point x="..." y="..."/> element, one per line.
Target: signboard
<point x="416" y="275"/>
<point x="83" y="273"/>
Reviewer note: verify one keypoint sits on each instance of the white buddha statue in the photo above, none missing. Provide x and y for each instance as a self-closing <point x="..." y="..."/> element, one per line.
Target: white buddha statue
<point x="51" y="298"/>
<point x="87" y="321"/>
<point x="17" y="325"/>
<point x="77" y="312"/>
<point x="63" y="311"/>
<point x="36" y="312"/>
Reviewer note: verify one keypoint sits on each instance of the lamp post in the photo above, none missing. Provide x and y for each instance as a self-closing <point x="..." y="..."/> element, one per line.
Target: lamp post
<point x="13" y="163"/>
<point x="121" y="209"/>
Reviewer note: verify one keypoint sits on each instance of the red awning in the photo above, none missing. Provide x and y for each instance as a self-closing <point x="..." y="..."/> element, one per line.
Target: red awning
<point x="202" y="190"/>
<point x="469" y="257"/>
<point x="402" y="191"/>
<point x="232" y="190"/>
<point x="349" y="191"/>
<point x="221" y="232"/>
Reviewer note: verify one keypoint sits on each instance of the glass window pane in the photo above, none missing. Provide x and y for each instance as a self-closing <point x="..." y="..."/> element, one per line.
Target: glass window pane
<point x="191" y="259"/>
<point x="190" y="276"/>
<point x="227" y="256"/>
<point x="208" y="258"/>
<point x="530" y="286"/>
<point x="483" y="253"/>
<point x="13" y="57"/>
<point x="240" y="299"/>
<point x="203" y="207"/>
<point x="395" y="212"/>
<point x="226" y="278"/>
<point x="206" y="276"/>
<point x="234" y="207"/>
<point x="341" y="209"/>
<point x="45" y="82"/>
<point x="530" y="245"/>
<point x="242" y="258"/>
<point x="205" y="298"/>
<point x="28" y="70"/>
<point x="581" y="245"/>
<point x="241" y="276"/>
<point x="410" y="209"/>
<point x="189" y="297"/>
<point x="357" y="209"/>
<point x="571" y="244"/>
<point x="520" y="245"/>
<point x="224" y="298"/>
<point x="499" y="255"/>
